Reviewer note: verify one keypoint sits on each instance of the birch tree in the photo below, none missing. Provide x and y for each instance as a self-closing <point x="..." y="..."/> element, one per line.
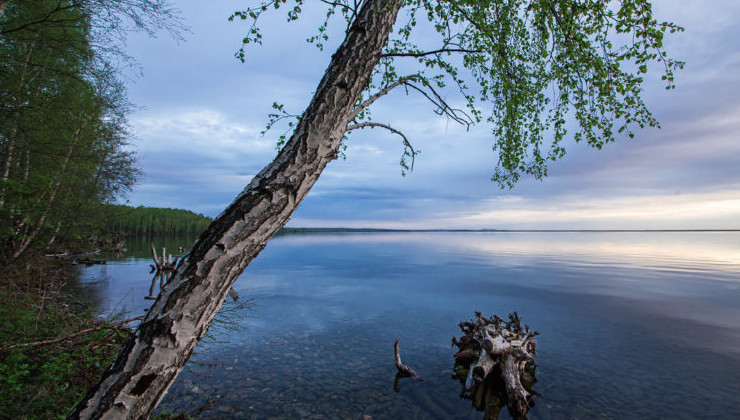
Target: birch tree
<point x="529" y="68"/>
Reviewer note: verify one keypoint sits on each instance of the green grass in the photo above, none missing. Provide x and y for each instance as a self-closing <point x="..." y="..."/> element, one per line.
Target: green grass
<point x="46" y="381"/>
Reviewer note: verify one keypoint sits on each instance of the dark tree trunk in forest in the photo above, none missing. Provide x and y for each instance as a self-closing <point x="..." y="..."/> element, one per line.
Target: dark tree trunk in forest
<point x="149" y="363"/>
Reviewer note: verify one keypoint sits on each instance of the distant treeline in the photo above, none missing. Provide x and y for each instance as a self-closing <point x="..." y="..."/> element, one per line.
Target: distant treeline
<point x="125" y="220"/>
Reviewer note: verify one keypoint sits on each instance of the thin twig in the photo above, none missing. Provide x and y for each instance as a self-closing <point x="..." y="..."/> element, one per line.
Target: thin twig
<point x="443" y="108"/>
<point x="425" y="53"/>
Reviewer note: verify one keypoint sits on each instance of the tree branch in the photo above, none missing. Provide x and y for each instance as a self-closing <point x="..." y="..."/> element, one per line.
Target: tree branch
<point x="45" y="19"/>
<point x="406" y="142"/>
<point x="443" y="108"/>
<point x="380" y="94"/>
<point x="69" y="337"/>
<point x="340" y="4"/>
<point x="425" y="53"/>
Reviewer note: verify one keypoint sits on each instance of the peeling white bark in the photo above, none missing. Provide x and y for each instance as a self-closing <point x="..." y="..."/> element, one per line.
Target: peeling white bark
<point x="148" y="364"/>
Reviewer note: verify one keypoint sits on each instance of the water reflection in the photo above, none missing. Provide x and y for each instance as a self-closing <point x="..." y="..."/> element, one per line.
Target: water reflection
<point x="124" y="286"/>
<point x="633" y="325"/>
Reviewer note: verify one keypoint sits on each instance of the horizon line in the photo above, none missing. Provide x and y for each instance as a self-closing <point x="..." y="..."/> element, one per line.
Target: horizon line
<point x="346" y="229"/>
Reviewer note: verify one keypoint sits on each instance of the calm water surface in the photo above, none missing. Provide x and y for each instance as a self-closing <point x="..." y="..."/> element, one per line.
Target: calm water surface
<point x="632" y="325"/>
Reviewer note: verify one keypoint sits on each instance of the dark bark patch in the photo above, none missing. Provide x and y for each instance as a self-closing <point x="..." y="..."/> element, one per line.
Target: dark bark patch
<point x="161" y="327"/>
<point x="143" y="384"/>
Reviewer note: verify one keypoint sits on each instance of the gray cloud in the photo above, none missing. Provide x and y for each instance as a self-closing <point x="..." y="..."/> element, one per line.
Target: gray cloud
<point x="199" y="138"/>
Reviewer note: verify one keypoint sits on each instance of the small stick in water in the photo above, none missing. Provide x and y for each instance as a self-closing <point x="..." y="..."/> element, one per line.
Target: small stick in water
<point x="403" y="369"/>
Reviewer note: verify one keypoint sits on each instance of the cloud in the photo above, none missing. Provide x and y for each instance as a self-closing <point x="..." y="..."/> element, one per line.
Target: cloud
<point x="198" y="159"/>
<point x="199" y="138"/>
<point x="206" y="132"/>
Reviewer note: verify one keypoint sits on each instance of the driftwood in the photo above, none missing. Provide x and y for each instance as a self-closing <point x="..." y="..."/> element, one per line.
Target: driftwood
<point x="83" y="258"/>
<point x="403" y="370"/>
<point x="495" y="364"/>
<point x="166" y="264"/>
<point x="67" y="255"/>
<point x="69" y="337"/>
<point x="163" y="268"/>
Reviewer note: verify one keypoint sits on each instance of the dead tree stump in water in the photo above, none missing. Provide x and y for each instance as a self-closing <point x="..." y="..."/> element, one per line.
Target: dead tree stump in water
<point x="494" y="359"/>
<point x="166" y="264"/>
<point x="163" y="269"/>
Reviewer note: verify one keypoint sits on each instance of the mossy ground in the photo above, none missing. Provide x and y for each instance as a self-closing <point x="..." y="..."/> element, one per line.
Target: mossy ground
<point x="45" y="381"/>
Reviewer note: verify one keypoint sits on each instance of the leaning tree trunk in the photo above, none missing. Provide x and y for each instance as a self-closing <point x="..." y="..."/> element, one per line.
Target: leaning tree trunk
<point x="147" y="365"/>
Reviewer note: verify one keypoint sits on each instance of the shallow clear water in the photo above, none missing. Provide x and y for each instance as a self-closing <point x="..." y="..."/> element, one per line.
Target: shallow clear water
<point x="632" y="325"/>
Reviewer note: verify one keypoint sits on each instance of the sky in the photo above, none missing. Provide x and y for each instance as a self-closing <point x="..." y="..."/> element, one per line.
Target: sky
<point x="201" y="111"/>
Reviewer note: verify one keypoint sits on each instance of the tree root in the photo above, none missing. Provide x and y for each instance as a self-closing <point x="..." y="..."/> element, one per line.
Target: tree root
<point x="492" y="358"/>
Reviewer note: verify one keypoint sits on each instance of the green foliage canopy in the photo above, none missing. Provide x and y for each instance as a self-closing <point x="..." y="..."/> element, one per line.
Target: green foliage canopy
<point x="527" y="67"/>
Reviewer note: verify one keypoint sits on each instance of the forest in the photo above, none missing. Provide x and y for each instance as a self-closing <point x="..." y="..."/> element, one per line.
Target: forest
<point x="64" y="131"/>
<point x="65" y="159"/>
<point x="126" y="220"/>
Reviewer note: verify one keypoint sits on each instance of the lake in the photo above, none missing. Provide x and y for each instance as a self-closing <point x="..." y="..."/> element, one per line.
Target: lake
<point x="632" y="324"/>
